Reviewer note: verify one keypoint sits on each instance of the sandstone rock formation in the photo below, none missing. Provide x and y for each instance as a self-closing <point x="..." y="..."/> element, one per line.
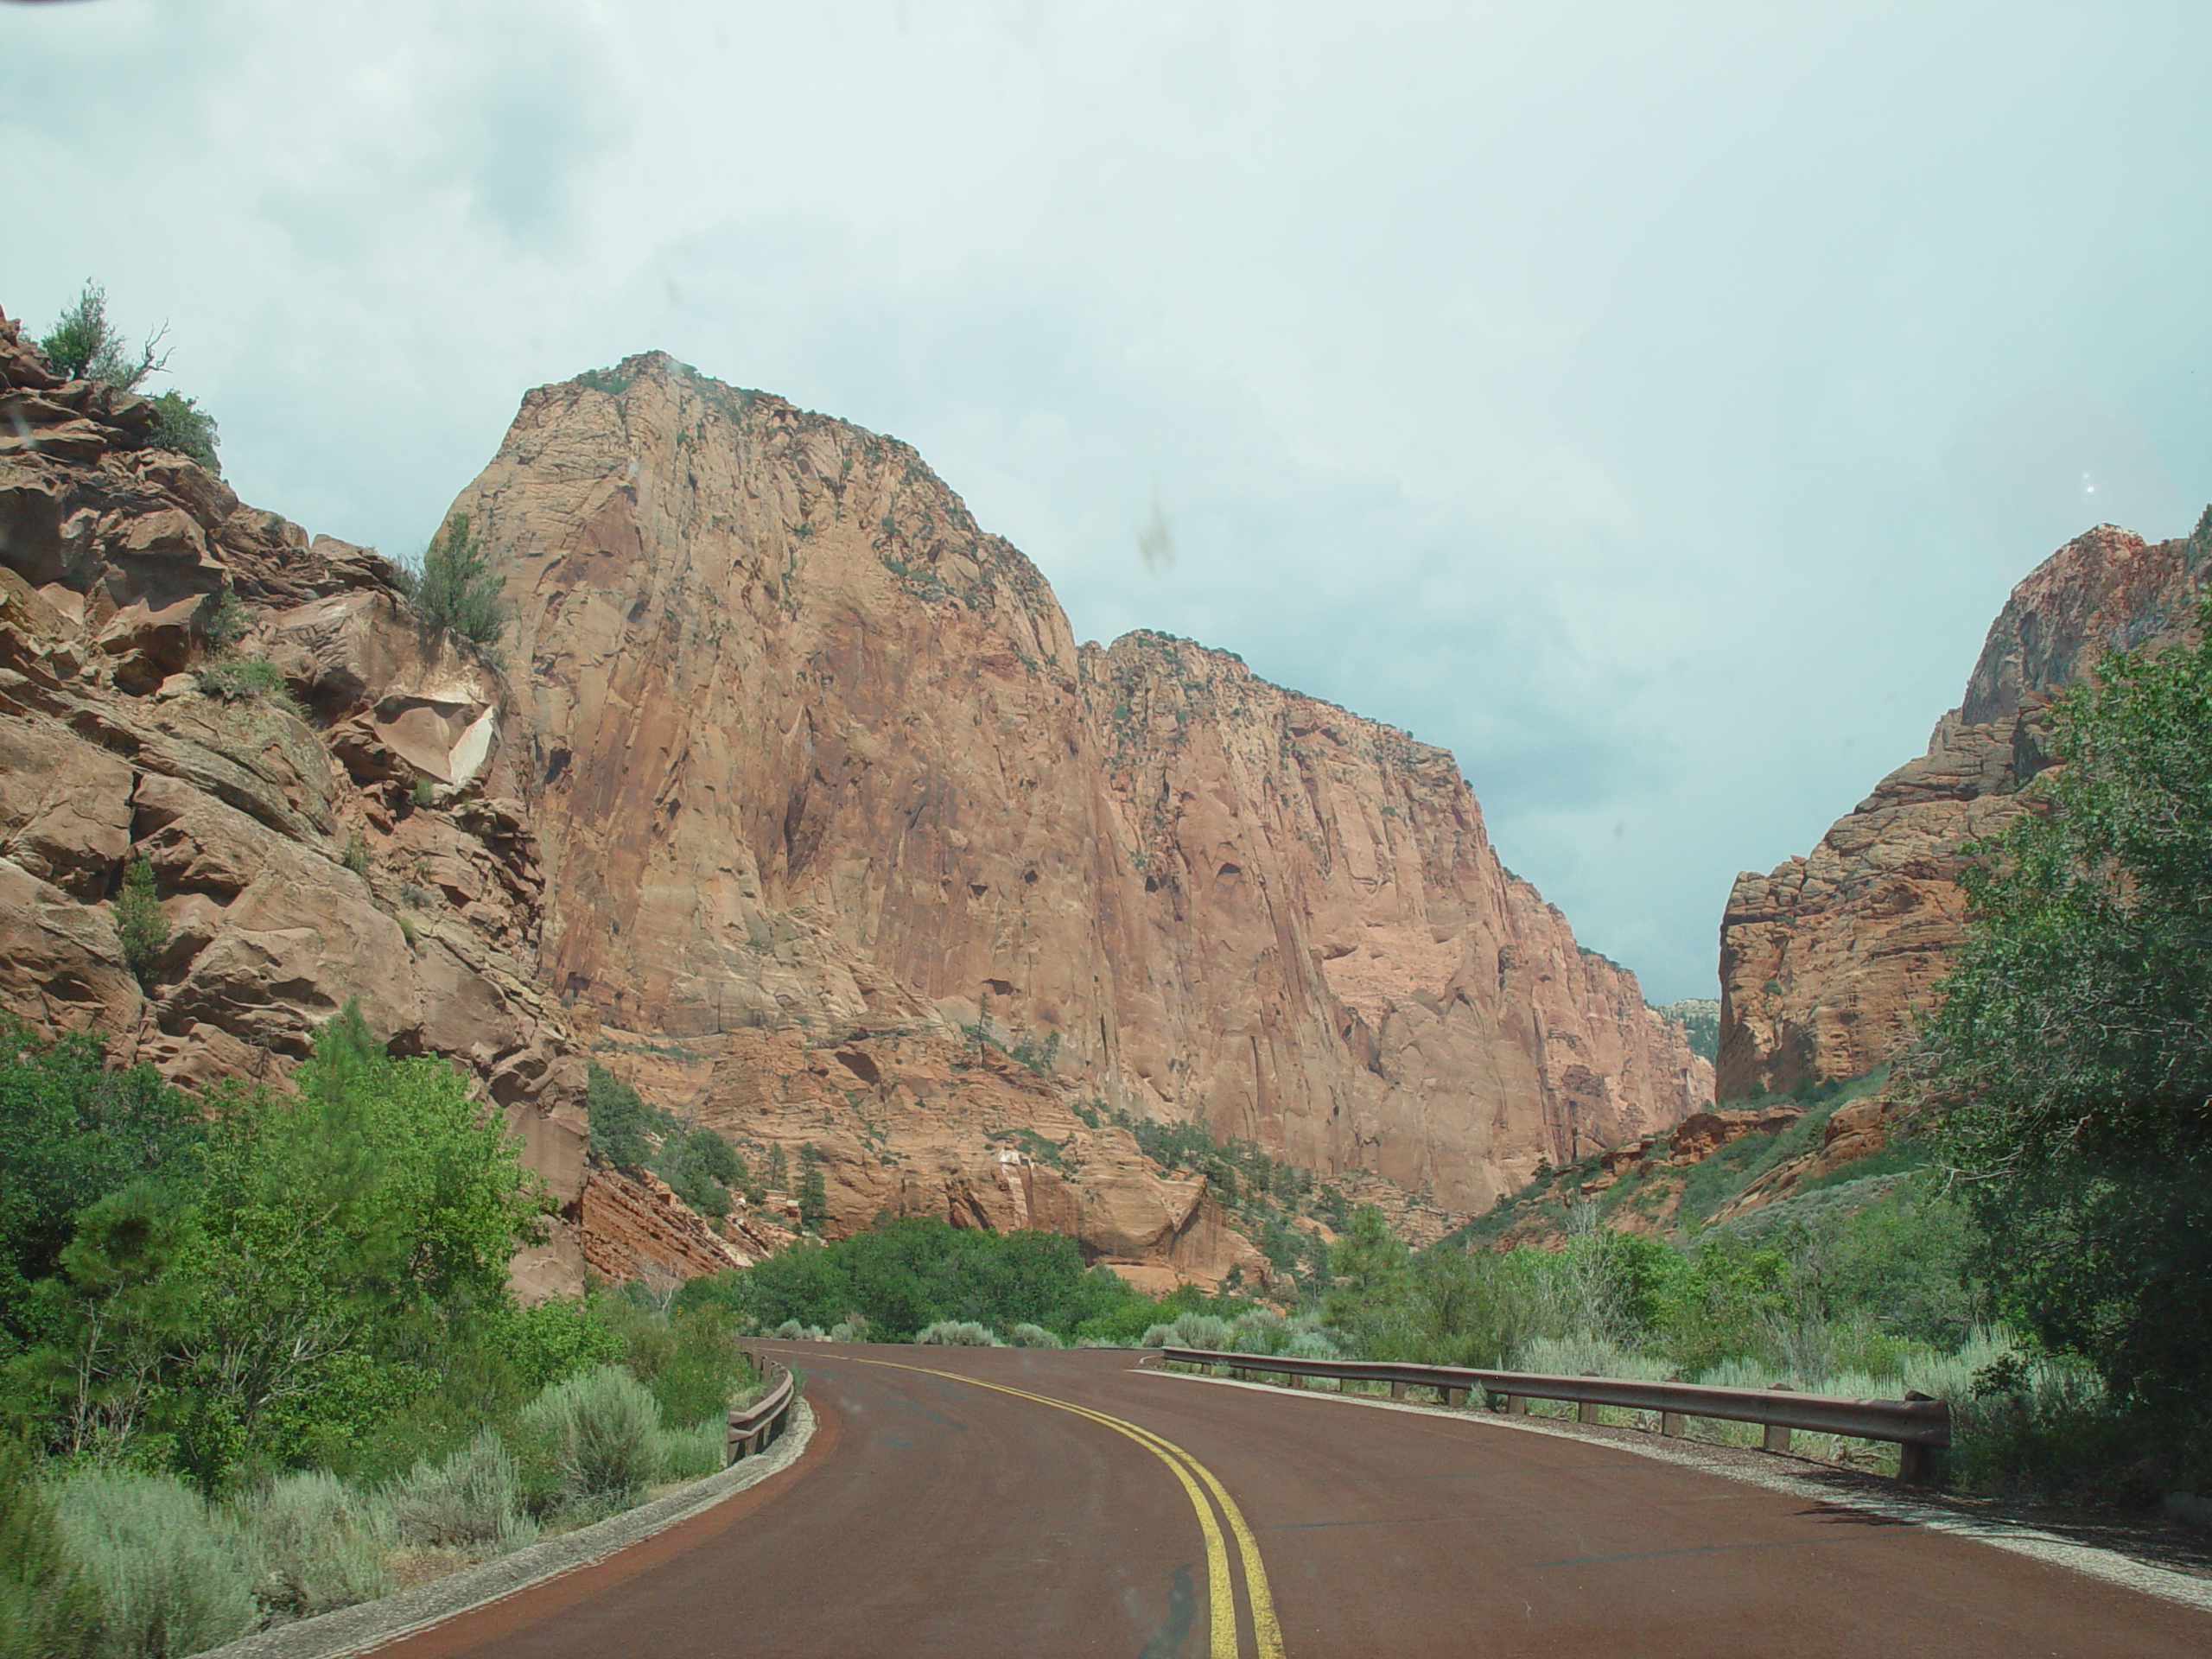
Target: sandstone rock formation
<point x="358" y="835"/>
<point x="1825" y="961"/>
<point x="815" y="758"/>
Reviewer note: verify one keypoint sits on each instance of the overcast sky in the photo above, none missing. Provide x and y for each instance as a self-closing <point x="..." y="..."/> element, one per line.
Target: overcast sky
<point x="1651" y="403"/>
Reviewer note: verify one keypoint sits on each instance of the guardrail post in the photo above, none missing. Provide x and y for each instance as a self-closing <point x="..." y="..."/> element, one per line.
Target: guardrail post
<point x="1397" y="1390"/>
<point x="1671" y="1423"/>
<point x="1777" y="1437"/>
<point x="1453" y="1397"/>
<point x="1587" y="1412"/>
<point x="1516" y="1405"/>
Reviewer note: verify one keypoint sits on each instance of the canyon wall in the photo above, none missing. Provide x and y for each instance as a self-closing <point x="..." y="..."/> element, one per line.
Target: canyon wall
<point x="338" y="822"/>
<point x="1825" y="961"/>
<point x="813" y="756"/>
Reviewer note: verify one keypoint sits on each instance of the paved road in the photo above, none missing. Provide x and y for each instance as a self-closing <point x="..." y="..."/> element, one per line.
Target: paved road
<point x="960" y="1501"/>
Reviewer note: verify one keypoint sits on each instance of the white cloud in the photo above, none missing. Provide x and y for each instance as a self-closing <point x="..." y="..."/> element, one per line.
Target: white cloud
<point x="1650" y="404"/>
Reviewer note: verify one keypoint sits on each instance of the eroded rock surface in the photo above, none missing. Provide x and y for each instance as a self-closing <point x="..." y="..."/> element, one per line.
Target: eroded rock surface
<point x="813" y="752"/>
<point x="1825" y="961"/>
<point x="358" y="836"/>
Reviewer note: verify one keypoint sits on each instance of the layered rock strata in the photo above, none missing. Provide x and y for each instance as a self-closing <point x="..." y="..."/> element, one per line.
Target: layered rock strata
<point x="814" y="756"/>
<point x="1825" y="961"/>
<point x="321" y="784"/>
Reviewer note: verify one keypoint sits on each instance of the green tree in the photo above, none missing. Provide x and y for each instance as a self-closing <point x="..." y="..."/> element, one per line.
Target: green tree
<point x="813" y="1196"/>
<point x="623" y="1123"/>
<point x="139" y="923"/>
<point x="2072" y="1053"/>
<point x="70" y="1132"/>
<point x="454" y="590"/>
<point x="1369" y="1267"/>
<point x="701" y="1167"/>
<point x="85" y="345"/>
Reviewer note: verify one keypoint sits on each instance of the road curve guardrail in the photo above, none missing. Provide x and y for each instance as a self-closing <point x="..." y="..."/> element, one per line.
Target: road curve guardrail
<point x="757" y="1424"/>
<point x="1919" y="1425"/>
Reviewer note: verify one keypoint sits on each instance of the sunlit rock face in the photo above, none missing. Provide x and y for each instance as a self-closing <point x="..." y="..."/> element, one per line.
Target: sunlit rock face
<point x="813" y="755"/>
<point x="360" y="838"/>
<point x="1825" y="961"/>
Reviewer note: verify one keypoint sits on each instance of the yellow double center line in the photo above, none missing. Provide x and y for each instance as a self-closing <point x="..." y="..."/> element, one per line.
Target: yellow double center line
<point x="1221" y="1595"/>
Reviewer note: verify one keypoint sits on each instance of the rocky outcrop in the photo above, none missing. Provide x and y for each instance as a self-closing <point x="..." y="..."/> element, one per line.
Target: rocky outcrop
<point x="1825" y="961"/>
<point x="814" y="756"/>
<point x="320" y="783"/>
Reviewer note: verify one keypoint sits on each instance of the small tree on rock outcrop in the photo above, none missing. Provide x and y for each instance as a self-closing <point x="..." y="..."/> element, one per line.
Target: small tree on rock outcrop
<point x="454" y="590"/>
<point x="138" y="920"/>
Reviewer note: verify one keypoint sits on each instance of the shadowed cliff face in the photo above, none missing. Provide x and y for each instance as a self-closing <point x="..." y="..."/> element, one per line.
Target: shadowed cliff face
<point x="814" y="755"/>
<point x="1825" y="961"/>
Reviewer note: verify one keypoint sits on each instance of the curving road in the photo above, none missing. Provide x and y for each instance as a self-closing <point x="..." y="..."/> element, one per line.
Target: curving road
<point x="961" y="1501"/>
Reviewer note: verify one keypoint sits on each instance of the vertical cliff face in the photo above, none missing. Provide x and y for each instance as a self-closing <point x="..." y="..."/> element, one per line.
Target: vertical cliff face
<point x="816" y="755"/>
<point x="1825" y="961"/>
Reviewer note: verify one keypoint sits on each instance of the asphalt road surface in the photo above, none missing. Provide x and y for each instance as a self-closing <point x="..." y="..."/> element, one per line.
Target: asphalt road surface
<point x="1011" y="1501"/>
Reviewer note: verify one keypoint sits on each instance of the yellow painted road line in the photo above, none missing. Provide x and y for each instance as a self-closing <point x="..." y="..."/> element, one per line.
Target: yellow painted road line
<point x="1267" y="1633"/>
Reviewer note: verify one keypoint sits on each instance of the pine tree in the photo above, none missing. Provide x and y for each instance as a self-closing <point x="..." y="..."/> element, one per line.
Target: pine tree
<point x="813" y="1195"/>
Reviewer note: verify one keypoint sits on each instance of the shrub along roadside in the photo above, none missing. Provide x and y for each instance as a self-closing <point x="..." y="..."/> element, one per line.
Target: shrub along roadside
<point x="266" y="1340"/>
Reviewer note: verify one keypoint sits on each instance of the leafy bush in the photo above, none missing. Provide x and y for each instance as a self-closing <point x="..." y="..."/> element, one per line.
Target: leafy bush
<point x="905" y="1275"/>
<point x="453" y="589"/>
<point x="601" y="1434"/>
<point x="180" y="424"/>
<point x="471" y="1500"/>
<point x="317" y="1543"/>
<point x="250" y="680"/>
<point x="170" y="1574"/>
<point x="139" y="923"/>
<point x="1026" y="1335"/>
<point x="957" y="1333"/>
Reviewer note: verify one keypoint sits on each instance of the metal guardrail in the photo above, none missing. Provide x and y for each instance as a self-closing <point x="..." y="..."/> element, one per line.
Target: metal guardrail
<point x="1920" y="1426"/>
<point x="757" y="1424"/>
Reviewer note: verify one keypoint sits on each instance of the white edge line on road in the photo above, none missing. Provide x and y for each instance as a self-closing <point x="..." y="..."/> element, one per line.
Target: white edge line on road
<point x="369" y="1625"/>
<point x="2110" y="1566"/>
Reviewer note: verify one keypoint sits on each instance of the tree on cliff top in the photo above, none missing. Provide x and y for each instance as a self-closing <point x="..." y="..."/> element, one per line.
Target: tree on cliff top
<point x="454" y="590"/>
<point x="85" y="345"/>
<point x="2073" y="1051"/>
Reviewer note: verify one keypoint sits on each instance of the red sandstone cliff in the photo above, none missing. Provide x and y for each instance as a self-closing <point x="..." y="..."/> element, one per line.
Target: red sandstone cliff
<point x="359" y="836"/>
<point x="816" y="757"/>
<point x="1825" y="961"/>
